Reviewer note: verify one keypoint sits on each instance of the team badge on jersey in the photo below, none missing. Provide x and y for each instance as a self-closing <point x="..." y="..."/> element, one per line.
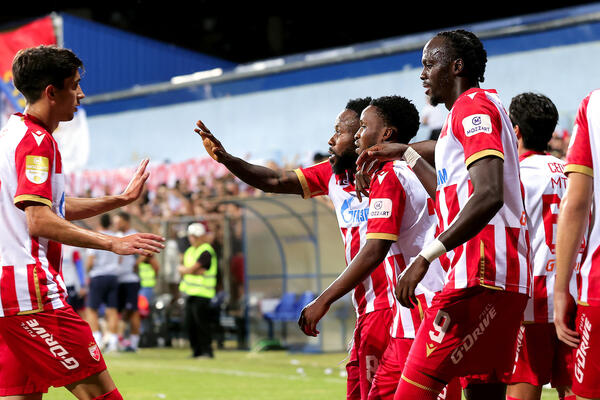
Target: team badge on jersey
<point x="477" y="123"/>
<point x="94" y="351"/>
<point x="36" y="168"/>
<point x="380" y="208"/>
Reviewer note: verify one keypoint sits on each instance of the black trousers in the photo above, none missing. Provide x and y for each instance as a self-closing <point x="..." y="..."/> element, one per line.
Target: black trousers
<point x="198" y="318"/>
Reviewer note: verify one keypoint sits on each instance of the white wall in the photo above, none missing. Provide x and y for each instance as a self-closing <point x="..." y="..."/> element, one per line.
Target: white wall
<point x="282" y="123"/>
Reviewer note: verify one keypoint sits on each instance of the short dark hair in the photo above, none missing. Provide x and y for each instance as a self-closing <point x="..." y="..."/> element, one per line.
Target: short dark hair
<point x="537" y="116"/>
<point x="358" y="105"/>
<point x="125" y="216"/>
<point x="400" y="113"/>
<point x="467" y="46"/>
<point x="35" y="68"/>
<point x="105" y="221"/>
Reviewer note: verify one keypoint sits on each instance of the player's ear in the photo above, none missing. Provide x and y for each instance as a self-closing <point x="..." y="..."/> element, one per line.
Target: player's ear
<point x="50" y="92"/>
<point x="389" y="134"/>
<point x="459" y="65"/>
<point x="517" y="131"/>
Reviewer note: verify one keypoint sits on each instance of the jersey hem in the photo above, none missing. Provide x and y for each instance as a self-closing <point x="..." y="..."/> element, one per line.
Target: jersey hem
<point x="483" y="153"/>
<point x="582" y="169"/>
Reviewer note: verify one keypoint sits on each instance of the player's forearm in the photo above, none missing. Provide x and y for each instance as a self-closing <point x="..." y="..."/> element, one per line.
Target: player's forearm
<point x="365" y="262"/>
<point x="572" y="221"/>
<point x="262" y="178"/>
<point x="80" y="208"/>
<point x="42" y="222"/>
<point x="426" y="149"/>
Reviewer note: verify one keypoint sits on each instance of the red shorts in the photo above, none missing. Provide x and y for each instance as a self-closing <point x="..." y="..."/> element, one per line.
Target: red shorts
<point x="586" y="358"/>
<point x="390" y="369"/>
<point x="467" y="331"/>
<point x="541" y="358"/>
<point x="50" y="348"/>
<point x="371" y="338"/>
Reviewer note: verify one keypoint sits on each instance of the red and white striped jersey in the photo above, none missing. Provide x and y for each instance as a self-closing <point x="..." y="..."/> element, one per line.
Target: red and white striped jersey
<point x="400" y="210"/>
<point x="30" y="171"/>
<point x="375" y="292"/>
<point x="497" y="257"/>
<point x="544" y="183"/>
<point x="583" y="153"/>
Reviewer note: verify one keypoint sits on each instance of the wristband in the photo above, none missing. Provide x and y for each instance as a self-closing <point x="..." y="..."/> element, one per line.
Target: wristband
<point x="433" y="250"/>
<point x="411" y="157"/>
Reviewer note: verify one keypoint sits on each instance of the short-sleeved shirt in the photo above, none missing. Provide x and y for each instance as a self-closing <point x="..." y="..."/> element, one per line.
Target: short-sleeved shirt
<point x="375" y="292"/>
<point x="545" y="184"/>
<point x="30" y="172"/>
<point x="106" y="263"/>
<point x="127" y="272"/>
<point x="497" y="257"/>
<point x="401" y="211"/>
<point x="582" y="155"/>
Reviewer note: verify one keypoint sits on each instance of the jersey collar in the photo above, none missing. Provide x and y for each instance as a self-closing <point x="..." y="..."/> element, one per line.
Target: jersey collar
<point x="531" y="153"/>
<point x="34" y="120"/>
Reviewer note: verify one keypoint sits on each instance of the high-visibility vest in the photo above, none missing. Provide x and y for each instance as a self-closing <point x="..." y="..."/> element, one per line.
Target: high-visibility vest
<point x="200" y="285"/>
<point x="147" y="275"/>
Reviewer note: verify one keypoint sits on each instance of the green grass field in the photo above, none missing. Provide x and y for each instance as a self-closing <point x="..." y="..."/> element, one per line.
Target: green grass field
<point x="231" y="375"/>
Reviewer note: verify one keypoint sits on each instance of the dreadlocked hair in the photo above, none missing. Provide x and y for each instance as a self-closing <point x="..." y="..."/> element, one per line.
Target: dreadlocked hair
<point x="467" y="46"/>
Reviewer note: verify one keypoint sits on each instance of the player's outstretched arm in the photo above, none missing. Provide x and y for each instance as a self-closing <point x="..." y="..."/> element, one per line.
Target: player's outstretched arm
<point x="81" y="208"/>
<point x="257" y="176"/>
<point x="43" y="222"/>
<point x="370" y="256"/>
<point x="572" y="220"/>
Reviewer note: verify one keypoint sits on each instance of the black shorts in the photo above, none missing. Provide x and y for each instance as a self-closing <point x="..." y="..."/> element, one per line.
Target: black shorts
<point x="103" y="290"/>
<point x="128" y="296"/>
<point x="74" y="299"/>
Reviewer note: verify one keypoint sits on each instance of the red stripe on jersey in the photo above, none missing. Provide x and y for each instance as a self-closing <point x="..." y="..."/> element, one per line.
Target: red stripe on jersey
<point x="8" y="289"/>
<point x="397" y="261"/>
<point x="354" y="242"/>
<point x="42" y="281"/>
<point x="359" y="297"/>
<point x="513" y="264"/>
<point x="540" y="299"/>
<point x="470" y="186"/>
<point x="430" y="206"/>
<point x="481" y="251"/>
<point x="451" y="202"/>
<point x="33" y="283"/>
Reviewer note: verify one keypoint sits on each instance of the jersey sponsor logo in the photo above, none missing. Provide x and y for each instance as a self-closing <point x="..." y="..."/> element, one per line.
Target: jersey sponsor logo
<point x="477" y="123"/>
<point x="582" y="351"/>
<point x="442" y="176"/>
<point x="34" y="329"/>
<point x="36" y="169"/>
<point x="468" y="341"/>
<point x="380" y="208"/>
<point x="351" y="216"/>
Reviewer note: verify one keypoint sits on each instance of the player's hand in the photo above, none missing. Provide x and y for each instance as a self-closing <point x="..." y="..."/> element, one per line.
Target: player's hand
<point x="138" y="243"/>
<point x="405" y="288"/>
<point x="564" y="310"/>
<point x="136" y="185"/>
<point x="213" y="146"/>
<point x="311" y="315"/>
<point x="369" y="160"/>
<point x="362" y="183"/>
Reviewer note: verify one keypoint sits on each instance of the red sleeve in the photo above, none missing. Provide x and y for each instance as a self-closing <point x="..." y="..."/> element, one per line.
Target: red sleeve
<point x="579" y="155"/>
<point x="315" y="179"/>
<point x="477" y="125"/>
<point x="387" y="200"/>
<point x="34" y="159"/>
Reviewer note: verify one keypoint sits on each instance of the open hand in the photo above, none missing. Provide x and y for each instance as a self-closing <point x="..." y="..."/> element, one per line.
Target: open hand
<point x="136" y="185"/>
<point x="564" y="310"/>
<point x="213" y="146"/>
<point x="138" y="243"/>
<point x="370" y="159"/>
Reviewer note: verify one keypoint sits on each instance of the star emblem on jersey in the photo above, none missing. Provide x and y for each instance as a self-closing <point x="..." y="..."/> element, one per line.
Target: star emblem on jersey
<point x="38" y="136"/>
<point x="381" y="176"/>
<point x="430" y="348"/>
<point x="94" y="351"/>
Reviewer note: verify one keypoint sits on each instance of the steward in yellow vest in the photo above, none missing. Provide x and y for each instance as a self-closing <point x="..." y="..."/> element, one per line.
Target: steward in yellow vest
<point x="198" y="282"/>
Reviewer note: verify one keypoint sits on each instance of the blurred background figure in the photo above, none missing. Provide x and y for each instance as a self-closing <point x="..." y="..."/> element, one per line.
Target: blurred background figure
<point x="433" y="117"/>
<point x="74" y="277"/>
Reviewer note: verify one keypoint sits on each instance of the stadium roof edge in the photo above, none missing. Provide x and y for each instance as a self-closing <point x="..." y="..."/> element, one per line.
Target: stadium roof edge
<point x="490" y="29"/>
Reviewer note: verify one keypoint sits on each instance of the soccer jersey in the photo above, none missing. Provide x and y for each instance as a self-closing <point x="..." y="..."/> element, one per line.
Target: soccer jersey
<point x="105" y="262"/>
<point x="375" y="292"/>
<point x="544" y="184"/>
<point x="30" y="171"/>
<point x="581" y="156"/>
<point x="401" y="211"/>
<point x="476" y="127"/>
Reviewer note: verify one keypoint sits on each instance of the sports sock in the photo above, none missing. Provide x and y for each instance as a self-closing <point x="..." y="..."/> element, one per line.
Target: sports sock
<point x="135" y="341"/>
<point x="113" y="342"/>
<point x="112" y="395"/>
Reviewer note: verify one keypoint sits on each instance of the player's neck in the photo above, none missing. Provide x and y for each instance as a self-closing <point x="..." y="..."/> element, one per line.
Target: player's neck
<point x="42" y="113"/>
<point x="461" y="86"/>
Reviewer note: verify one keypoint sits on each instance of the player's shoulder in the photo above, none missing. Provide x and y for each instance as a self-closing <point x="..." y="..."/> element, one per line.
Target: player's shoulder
<point x="322" y="168"/>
